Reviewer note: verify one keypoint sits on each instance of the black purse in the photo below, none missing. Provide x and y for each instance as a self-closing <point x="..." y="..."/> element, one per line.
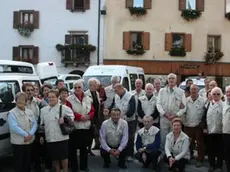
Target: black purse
<point x="68" y="126"/>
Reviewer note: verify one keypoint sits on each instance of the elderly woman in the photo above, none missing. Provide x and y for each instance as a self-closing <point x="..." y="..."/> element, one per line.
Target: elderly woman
<point x="45" y="90"/>
<point x="80" y="138"/>
<point x="23" y="125"/>
<point x="214" y="125"/>
<point x="93" y="85"/>
<point x="177" y="147"/>
<point x="64" y="93"/>
<point x="57" y="143"/>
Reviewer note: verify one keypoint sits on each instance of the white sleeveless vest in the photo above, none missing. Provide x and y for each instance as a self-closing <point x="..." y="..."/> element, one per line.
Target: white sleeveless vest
<point x="148" y="137"/>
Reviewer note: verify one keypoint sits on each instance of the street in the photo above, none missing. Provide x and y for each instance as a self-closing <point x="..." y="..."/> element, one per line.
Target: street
<point x="95" y="165"/>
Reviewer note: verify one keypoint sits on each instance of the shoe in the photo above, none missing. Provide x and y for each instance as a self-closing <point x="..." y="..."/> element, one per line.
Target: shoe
<point x="198" y="164"/>
<point x="91" y="153"/>
<point x="122" y="166"/>
<point x="97" y="147"/>
<point x="106" y="165"/>
<point x="211" y="169"/>
<point x="130" y="159"/>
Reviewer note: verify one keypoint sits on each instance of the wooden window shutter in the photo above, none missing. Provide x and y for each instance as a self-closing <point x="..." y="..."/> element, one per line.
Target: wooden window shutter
<point x="68" y="39"/>
<point x="35" y="59"/>
<point x="69" y="4"/>
<point x="146" y="40"/>
<point x="168" y="41"/>
<point x="188" y="42"/>
<point x="87" y="4"/>
<point x="16" y="53"/>
<point x="36" y="19"/>
<point x="182" y="5"/>
<point x="126" y="40"/>
<point x="16" y="20"/>
<point x="128" y="3"/>
<point x="86" y="39"/>
<point x="200" y="5"/>
<point x="147" y="4"/>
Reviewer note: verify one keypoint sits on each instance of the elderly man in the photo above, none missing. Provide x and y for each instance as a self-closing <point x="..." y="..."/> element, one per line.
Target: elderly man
<point x="212" y="84"/>
<point x="125" y="101"/>
<point x="114" y="138"/>
<point x="109" y="91"/>
<point x="157" y="85"/>
<point x="93" y="84"/>
<point x="226" y="127"/>
<point x="193" y="123"/>
<point x="148" y="143"/>
<point x="203" y="91"/>
<point x="147" y="106"/>
<point x="171" y="103"/>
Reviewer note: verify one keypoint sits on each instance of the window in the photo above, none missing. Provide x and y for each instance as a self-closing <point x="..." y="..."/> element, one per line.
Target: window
<point x="227" y="6"/>
<point x="178" y="40"/>
<point x="191" y="4"/>
<point x="133" y="78"/>
<point x="79" y="39"/>
<point x="136" y="39"/>
<point x="125" y="83"/>
<point x="78" y="4"/>
<point x="26" y="17"/>
<point x="142" y="77"/>
<point x="214" y="43"/>
<point x="26" y="53"/>
<point x="138" y="3"/>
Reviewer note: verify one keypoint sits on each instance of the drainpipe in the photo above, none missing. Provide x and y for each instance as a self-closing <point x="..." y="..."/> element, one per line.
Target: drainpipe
<point x="98" y="32"/>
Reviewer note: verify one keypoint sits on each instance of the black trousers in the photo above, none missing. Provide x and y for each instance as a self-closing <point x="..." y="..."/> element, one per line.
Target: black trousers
<point x="79" y="139"/>
<point x="106" y="156"/>
<point x="215" y="150"/>
<point x="178" y="164"/>
<point x="152" y="157"/>
<point x="226" y="138"/>
<point x="22" y="157"/>
<point x="132" y="130"/>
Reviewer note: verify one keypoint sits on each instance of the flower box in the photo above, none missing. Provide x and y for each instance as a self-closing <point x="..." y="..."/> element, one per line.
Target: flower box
<point x="25" y="29"/>
<point x="190" y="14"/>
<point x="138" y="11"/>
<point x="177" y="51"/>
<point x="137" y="50"/>
<point x="212" y="57"/>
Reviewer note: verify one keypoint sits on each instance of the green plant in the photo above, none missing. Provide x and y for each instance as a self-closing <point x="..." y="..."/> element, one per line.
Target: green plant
<point x="188" y="14"/>
<point x="138" y="11"/>
<point x="137" y="50"/>
<point x="227" y="15"/>
<point x="211" y="57"/>
<point x="25" y="29"/>
<point x="177" y="51"/>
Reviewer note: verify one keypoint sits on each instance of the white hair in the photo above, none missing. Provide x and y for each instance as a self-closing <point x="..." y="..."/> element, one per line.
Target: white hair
<point x="227" y="88"/>
<point x="149" y="85"/>
<point x="139" y="80"/>
<point x="115" y="78"/>
<point x="172" y="75"/>
<point x="92" y="81"/>
<point x="217" y="89"/>
<point x="148" y="117"/>
<point x="157" y="80"/>
<point x="79" y="82"/>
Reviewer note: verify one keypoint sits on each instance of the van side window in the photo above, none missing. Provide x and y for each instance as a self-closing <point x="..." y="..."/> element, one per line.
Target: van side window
<point x="125" y="83"/>
<point x="133" y="78"/>
<point x="72" y="78"/>
<point x="142" y="77"/>
<point x="8" y="90"/>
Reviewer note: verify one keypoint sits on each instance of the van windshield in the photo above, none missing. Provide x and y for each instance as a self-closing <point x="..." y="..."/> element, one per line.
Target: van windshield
<point x="184" y="87"/>
<point x="104" y="80"/>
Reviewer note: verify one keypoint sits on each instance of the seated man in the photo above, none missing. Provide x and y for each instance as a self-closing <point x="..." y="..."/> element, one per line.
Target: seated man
<point x="148" y="143"/>
<point x="114" y="138"/>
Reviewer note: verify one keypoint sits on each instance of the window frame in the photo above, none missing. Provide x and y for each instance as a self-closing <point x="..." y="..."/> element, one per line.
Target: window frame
<point x="181" y="34"/>
<point x="136" y="32"/>
<point x="79" y="8"/>
<point x="186" y="1"/>
<point x="133" y="81"/>
<point x="21" y="47"/>
<point x="215" y="37"/>
<point x="22" y="18"/>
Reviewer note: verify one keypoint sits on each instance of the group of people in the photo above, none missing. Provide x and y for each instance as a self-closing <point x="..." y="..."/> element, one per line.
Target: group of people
<point x="148" y="124"/>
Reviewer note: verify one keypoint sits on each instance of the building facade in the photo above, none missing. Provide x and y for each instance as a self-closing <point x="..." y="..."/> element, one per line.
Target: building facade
<point x="186" y="37"/>
<point x="65" y="32"/>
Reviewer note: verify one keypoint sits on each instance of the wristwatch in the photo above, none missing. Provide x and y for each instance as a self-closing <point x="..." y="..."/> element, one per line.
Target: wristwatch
<point x="144" y="148"/>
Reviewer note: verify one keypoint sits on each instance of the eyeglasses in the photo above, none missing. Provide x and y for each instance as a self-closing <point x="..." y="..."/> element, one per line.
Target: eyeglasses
<point x="77" y="87"/>
<point x="216" y="94"/>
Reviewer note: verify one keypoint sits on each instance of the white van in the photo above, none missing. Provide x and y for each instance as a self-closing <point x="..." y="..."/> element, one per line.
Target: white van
<point x="12" y="76"/>
<point x="103" y="73"/>
<point x="69" y="79"/>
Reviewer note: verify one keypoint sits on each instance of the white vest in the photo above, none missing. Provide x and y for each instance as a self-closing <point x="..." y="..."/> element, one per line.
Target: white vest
<point x="114" y="133"/>
<point x="194" y="111"/>
<point x="226" y="117"/>
<point x="82" y="108"/>
<point x="110" y="94"/>
<point x="148" y="137"/>
<point x="214" y="117"/>
<point x="137" y="96"/>
<point x="33" y="105"/>
<point x="123" y="105"/>
<point x="148" y="106"/>
<point x="50" y="117"/>
<point x="25" y="121"/>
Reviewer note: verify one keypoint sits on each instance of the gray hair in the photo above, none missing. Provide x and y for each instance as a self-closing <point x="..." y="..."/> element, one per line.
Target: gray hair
<point x="79" y="82"/>
<point x="172" y="75"/>
<point x="149" y="85"/>
<point x="93" y="80"/>
<point x="148" y="117"/>
<point x="115" y="78"/>
<point x="20" y="94"/>
<point x="157" y="80"/>
<point x="227" y="88"/>
<point x="217" y="89"/>
<point x="139" y="80"/>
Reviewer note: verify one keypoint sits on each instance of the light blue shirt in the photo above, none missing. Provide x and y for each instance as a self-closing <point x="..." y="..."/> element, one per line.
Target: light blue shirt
<point x="13" y="124"/>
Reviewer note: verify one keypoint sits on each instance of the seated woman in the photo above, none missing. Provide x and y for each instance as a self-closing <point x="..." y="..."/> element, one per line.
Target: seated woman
<point x="177" y="147"/>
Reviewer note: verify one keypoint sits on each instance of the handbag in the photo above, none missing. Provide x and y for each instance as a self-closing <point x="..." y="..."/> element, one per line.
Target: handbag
<point x="68" y="126"/>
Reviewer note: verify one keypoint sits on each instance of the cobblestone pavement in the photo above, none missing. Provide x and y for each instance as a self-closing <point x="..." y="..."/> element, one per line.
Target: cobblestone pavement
<point x="96" y="166"/>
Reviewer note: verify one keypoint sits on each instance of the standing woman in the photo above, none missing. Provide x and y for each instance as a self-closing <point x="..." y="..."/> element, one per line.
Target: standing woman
<point x="84" y="111"/>
<point x="64" y="93"/>
<point x="214" y="125"/>
<point x="45" y="90"/>
<point x="23" y="125"/>
<point x="57" y="143"/>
